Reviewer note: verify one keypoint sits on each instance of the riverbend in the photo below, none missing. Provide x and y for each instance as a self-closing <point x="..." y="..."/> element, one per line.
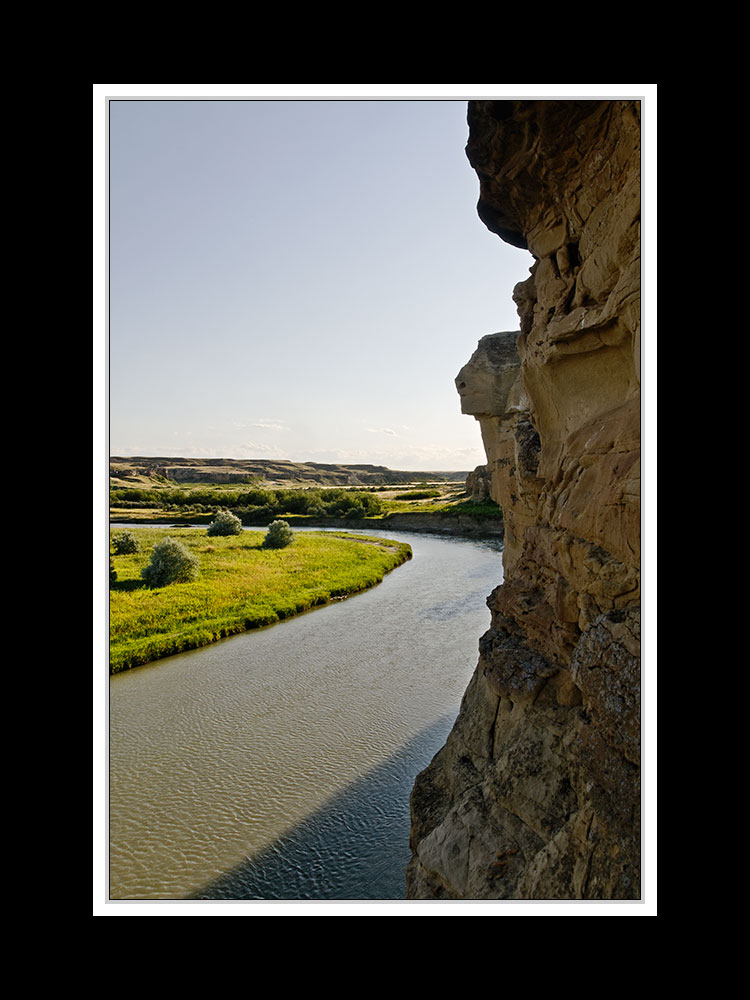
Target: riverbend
<point x="277" y="764"/>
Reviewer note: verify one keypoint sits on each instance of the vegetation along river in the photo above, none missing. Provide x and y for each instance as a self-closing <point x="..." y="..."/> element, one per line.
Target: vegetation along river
<point x="278" y="764"/>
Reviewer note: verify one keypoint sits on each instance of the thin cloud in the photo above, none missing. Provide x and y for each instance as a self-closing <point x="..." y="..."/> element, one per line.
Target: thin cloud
<point x="257" y="448"/>
<point x="415" y="459"/>
<point x="266" y="424"/>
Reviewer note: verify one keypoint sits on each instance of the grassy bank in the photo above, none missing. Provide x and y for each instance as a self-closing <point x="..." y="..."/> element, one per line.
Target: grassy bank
<point x="241" y="586"/>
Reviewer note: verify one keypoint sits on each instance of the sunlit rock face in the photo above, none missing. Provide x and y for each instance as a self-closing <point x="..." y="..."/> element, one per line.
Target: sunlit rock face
<point x="536" y="794"/>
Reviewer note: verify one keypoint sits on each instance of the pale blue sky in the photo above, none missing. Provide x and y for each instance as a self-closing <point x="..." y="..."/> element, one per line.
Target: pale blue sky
<point x="298" y="279"/>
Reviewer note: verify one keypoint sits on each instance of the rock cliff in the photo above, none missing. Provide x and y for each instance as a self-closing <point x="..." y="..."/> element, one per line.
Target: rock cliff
<point x="536" y="794"/>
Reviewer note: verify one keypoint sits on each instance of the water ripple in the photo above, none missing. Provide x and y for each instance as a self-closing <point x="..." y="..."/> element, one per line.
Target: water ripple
<point x="278" y="764"/>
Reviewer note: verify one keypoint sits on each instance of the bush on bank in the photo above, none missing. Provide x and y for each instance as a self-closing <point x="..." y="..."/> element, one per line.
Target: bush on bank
<point x="278" y="536"/>
<point x="125" y="542"/>
<point x="170" y="562"/>
<point x="225" y="523"/>
<point x="241" y="586"/>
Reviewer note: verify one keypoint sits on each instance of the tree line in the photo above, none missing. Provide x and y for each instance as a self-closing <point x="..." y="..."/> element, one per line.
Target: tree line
<point x="254" y="502"/>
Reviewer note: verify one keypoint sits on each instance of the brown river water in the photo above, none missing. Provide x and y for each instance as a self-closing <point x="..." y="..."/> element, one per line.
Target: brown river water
<point x="277" y="764"/>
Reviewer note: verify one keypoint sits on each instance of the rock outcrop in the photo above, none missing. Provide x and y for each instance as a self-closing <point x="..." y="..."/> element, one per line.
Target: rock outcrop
<point x="478" y="484"/>
<point x="536" y="794"/>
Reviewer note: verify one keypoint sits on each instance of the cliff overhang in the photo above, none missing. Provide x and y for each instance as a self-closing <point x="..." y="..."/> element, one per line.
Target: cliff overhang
<point x="536" y="794"/>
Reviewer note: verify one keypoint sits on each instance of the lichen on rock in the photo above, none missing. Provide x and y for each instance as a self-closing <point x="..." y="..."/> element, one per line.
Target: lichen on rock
<point x="536" y="794"/>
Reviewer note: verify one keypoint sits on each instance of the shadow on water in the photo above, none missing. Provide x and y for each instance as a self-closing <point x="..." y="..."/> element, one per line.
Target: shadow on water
<point x="356" y="847"/>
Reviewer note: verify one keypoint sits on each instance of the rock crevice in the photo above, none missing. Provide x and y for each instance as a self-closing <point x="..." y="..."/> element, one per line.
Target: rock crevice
<point x="536" y="794"/>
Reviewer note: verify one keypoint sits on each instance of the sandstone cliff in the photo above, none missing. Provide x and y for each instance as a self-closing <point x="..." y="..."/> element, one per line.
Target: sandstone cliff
<point x="536" y="794"/>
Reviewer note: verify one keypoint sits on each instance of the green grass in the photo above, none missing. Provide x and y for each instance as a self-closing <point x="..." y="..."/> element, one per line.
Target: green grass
<point x="474" y="508"/>
<point x="418" y="495"/>
<point x="241" y="586"/>
<point x="450" y="506"/>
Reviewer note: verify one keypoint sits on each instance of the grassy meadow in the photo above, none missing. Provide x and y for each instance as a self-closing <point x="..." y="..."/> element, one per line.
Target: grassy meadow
<point x="240" y="586"/>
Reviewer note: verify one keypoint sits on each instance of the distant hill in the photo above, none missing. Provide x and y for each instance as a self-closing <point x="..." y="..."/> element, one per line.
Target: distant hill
<point x="273" y="472"/>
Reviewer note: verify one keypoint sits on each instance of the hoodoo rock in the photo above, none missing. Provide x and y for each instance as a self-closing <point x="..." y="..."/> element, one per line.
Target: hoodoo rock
<point x="478" y="484"/>
<point x="536" y="794"/>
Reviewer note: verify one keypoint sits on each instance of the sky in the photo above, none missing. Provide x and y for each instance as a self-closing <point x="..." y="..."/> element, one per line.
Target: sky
<point x="298" y="279"/>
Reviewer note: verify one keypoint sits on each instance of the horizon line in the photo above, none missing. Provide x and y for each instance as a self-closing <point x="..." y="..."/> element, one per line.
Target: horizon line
<point x="271" y="461"/>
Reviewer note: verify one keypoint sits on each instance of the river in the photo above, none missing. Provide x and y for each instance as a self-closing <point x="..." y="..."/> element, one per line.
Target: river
<point x="277" y="764"/>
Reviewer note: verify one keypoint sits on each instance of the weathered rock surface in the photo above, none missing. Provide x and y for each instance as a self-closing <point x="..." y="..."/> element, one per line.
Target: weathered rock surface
<point x="478" y="484"/>
<point x="536" y="794"/>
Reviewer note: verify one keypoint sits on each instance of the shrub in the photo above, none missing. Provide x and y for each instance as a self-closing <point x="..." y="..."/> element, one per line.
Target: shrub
<point x="112" y="572"/>
<point x="417" y="495"/>
<point x="225" y="523"/>
<point x="256" y="498"/>
<point x="170" y="563"/>
<point x="371" y="505"/>
<point x="278" y="536"/>
<point x="126" y="543"/>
